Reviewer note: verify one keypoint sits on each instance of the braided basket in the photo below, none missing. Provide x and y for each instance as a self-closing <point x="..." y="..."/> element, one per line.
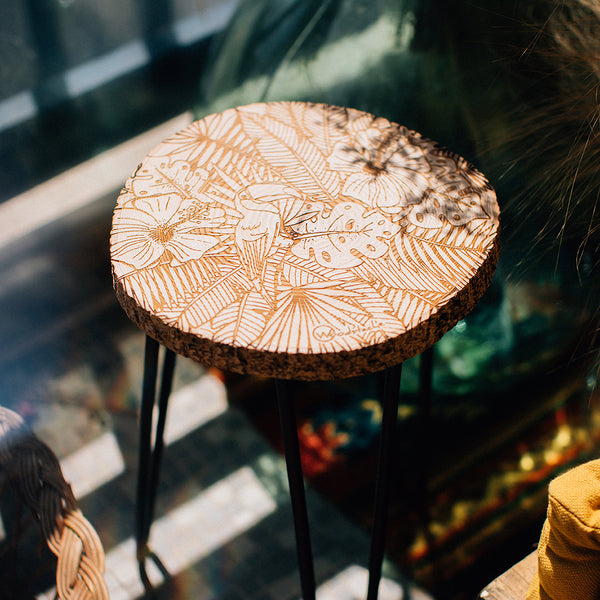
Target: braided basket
<point x="35" y="473"/>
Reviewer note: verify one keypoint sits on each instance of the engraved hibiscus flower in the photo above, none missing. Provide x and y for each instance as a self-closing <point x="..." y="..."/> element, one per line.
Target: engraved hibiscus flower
<point x="386" y="171"/>
<point x="149" y="228"/>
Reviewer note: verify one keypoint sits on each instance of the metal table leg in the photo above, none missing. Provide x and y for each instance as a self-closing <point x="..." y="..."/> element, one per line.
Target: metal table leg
<point x="151" y="445"/>
<point x="291" y="448"/>
<point x="422" y="428"/>
<point x="391" y="398"/>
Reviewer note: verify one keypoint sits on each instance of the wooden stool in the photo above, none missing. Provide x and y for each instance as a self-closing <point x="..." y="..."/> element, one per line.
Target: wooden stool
<point x="298" y="241"/>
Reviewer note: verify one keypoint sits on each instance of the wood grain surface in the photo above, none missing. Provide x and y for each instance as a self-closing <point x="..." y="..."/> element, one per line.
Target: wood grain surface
<point x="514" y="583"/>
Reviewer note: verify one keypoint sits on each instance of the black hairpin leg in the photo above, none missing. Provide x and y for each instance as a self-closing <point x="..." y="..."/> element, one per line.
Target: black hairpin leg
<point x="151" y="446"/>
<point x="423" y="426"/>
<point x="425" y="385"/>
<point x="291" y="449"/>
<point x="391" y="398"/>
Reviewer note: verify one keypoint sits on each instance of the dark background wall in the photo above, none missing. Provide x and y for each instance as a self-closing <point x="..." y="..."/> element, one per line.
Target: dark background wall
<point x="79" y="76"/>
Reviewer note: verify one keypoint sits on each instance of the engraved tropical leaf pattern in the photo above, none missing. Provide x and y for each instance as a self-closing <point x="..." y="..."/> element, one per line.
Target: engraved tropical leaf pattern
<point x="309" y="317"/>
<point x="286" y="147"/>
<point x="344" y="237"/>
<point x="300" y="228"/>
<point x="244" y="319"/>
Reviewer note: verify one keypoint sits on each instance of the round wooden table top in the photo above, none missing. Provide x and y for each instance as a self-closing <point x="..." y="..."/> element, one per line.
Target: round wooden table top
<point x="302" y="241"/>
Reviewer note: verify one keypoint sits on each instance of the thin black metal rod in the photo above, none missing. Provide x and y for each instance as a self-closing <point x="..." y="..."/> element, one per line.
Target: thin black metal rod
<point x="391" y="398"/>
<point x="289" y="430"/>
<point x="163" y="401"/>
<point x="425" y="383"/>
<point x="423" y="422"/>
<point x="145" y="448"/>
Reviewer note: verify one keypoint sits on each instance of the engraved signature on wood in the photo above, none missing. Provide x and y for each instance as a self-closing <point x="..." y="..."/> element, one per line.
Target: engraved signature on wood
<point x="302" y="228"/>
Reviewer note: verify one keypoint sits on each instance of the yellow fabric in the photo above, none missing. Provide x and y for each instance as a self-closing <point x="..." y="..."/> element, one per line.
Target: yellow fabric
<point x="569" y="548"/>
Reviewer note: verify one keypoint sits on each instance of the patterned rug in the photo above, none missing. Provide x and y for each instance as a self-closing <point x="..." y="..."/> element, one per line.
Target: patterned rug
<point x="469" y="497"/>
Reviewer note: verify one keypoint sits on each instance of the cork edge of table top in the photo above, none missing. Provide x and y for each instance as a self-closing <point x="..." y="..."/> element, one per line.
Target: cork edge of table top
<point x="315" y="366"/>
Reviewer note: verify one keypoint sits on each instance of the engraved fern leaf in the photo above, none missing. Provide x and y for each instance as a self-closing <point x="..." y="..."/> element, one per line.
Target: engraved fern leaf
<point x="438" y="257"/>
<point x="413" y="307"/>
<point x="211" y="300"/>
<point x="300" y="272"/>
<point x="201" y="141"/>
<point x="322" y="127"/>
<point x="242" y="321"/>
<point x="394" y="272"/>
<point x="298" y="160"/>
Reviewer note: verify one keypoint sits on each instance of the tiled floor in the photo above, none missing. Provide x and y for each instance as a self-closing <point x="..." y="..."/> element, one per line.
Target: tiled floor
<point x="70" y="363"/>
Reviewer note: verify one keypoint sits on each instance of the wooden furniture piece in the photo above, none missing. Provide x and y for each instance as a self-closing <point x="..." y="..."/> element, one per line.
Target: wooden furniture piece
<point x="298" y="241"/>
<point x="514" y="583"/>
<point x="35" y="474"/>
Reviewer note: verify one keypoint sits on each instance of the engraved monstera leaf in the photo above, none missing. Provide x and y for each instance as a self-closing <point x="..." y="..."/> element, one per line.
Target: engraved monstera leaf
<point x="447" y="205"/>
<point x="459" y="194"/>
<point x="344" y="237"/>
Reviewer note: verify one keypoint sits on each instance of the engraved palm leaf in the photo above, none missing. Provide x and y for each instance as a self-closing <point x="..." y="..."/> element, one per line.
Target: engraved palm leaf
<point x="445" y="257"/>
<point x="243" y="321"/>
<point x="294" y="325"/>
<point x="392" y="272"/>
<point x="410" y="291"/>
<point x="324" y="128"/>
<point x="200" y="307"/>
<point x="209" y="140"/>
<point x="294" y="156"/>
<point x="300" y="272"/>
<point x="382" y="314"/>
<point x="411" y="306"/>
<point x="168" y="285"/>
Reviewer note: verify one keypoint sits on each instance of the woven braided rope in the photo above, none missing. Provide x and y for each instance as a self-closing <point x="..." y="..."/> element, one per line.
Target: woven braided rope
<point x="35" y="472"/>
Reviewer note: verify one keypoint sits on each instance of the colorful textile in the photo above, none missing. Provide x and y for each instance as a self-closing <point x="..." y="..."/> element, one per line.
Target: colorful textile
<point x="569" y="548"/>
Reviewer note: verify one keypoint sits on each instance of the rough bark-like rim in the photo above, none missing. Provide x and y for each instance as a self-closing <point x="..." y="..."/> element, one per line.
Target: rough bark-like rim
<point x="317" y="366"/>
